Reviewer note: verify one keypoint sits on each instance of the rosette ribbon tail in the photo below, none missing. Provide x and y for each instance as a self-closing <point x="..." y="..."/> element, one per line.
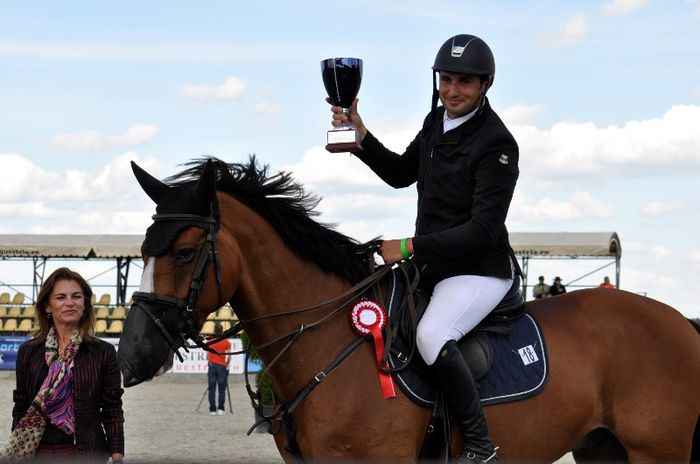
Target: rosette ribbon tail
<point x="385" y="379"/>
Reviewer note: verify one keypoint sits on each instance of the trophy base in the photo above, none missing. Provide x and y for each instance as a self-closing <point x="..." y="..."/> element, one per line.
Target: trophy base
<point x="343" y="140"/>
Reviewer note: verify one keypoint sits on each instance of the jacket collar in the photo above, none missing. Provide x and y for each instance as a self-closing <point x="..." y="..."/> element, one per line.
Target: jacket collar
<point x="466" y="129"/>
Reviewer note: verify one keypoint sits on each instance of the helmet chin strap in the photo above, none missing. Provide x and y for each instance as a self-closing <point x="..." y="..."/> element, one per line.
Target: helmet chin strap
<point x="435" y="97"/>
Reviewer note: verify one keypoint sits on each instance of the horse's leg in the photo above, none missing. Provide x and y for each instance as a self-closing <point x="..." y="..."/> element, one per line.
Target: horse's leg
<point x="346" y="417"/>
<point x="647" y="356"/>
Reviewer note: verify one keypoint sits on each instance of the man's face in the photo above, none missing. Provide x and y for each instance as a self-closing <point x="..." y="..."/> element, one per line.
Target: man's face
<point x="460" y="93"/>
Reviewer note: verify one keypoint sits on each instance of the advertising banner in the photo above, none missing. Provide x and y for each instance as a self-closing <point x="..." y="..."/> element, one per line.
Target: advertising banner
<point x="195" y="361"/>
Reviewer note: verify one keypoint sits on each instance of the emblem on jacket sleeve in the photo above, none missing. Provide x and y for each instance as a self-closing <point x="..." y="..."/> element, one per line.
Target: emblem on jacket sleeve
<point x="503" y="159"/>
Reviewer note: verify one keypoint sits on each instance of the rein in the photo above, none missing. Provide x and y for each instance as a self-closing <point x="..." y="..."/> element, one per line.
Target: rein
<point x="185" y="309"/>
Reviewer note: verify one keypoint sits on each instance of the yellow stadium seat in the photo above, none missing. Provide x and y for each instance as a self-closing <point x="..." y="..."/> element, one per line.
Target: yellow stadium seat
<point x="225" y="324"/>
<point x="100" y="326"/>
<point x="10" y="325"/>
<point x="115" y="327"/>
<point x="3" y="311"/>
<point x="4" y="298"/>
<point x="225" y="313"/>
<point x="118" y="313"/>
<point x="1" y="323"/>
<point x="93" y="299"/>
<point x="18" y="299"/>
<point x="104" y="300"/>
<point x="208" y="328"/>
<point x="212" y="316"/>
<point x="14" y="311"/>
<point x="102" y="312"/>
<point x="25" y="325"/>
<point x="28" y="311"/>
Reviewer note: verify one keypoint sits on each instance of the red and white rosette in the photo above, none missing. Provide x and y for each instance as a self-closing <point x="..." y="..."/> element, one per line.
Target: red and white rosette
<point x="368" y="317"/>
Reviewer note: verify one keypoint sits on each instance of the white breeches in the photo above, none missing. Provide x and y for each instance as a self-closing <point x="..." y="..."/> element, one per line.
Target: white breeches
<point x="458" y="304"/>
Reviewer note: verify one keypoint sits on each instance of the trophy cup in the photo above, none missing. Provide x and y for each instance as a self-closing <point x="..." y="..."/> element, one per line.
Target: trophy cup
<point x="342" y="77"/>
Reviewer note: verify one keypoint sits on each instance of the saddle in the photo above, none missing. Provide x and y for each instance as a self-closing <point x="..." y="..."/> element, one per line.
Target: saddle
<point x="505" y="352"/>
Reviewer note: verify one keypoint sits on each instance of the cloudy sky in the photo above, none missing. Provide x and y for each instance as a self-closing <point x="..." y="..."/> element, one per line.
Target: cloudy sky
<point x="602" y="96"/>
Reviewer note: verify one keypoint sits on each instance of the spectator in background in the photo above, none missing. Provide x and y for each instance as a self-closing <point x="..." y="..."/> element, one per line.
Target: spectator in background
<point x="218" y="372"/>
<point x="557" y="288"/>
<point x="68" y="402"/>
<point x="606" y="283"/>
<point x="540" y="291"/>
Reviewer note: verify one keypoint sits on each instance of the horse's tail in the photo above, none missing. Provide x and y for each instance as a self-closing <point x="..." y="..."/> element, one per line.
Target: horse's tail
<point x="695" y="324"/>
<point x="695" y="453"/>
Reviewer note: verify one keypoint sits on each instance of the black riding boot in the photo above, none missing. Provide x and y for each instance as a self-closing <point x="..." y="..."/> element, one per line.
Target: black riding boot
<point x="454" y="379"/>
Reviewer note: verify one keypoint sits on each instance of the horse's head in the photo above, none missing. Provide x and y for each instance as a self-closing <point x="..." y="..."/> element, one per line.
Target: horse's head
<point x="181" y="281"/>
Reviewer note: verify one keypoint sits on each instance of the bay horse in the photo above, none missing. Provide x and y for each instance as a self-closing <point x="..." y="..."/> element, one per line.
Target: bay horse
<point x="625" y="369"/>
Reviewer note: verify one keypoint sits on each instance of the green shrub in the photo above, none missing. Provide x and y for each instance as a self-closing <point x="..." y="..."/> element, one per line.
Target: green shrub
<point x="262" y="384"/>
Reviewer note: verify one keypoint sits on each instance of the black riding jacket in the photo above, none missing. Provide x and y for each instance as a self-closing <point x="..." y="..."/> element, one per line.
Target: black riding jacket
<point x="465" y="181"/>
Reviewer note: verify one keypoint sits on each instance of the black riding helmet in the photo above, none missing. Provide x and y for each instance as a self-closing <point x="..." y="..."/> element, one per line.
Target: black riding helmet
<point x="464" y="54"/>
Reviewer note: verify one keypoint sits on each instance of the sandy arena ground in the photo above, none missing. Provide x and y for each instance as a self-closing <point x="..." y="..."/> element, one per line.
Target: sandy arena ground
<point x="163" y="425"/>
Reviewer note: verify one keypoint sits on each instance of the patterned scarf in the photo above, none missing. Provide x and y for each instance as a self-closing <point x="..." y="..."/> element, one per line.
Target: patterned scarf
<point x="53" y="402"/>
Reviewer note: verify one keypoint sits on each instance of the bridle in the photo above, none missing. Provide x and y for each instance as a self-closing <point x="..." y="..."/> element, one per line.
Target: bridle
<point x="185" y="309"/>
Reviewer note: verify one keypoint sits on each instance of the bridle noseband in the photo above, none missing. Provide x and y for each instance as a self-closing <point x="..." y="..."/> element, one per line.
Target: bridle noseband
<point x="185" y="309"/>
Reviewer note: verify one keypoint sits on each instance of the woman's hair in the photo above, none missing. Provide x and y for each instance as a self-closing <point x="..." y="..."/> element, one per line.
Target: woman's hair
<point x="86" y="325"/>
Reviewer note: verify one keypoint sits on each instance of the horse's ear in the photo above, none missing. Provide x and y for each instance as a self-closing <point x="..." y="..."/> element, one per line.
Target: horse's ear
<point x="205" y="190"/>
<point x="152" y="186"/>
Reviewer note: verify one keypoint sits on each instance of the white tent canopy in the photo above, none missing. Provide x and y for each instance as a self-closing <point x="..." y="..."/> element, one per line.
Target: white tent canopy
<point x="124" y="248"/>
<point x="70" y="246"/>
<point x="565" y="244"/>
<point x="526" y="244"/>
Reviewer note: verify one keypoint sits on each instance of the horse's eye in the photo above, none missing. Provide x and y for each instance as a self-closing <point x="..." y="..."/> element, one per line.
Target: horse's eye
<point x="184" y="255"/>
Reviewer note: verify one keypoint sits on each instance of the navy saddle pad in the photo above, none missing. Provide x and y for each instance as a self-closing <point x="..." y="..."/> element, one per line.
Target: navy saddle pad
<point x="509" y="367"/>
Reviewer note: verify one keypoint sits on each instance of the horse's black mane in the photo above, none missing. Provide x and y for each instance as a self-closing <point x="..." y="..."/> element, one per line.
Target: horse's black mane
<point x="289" y="208"/>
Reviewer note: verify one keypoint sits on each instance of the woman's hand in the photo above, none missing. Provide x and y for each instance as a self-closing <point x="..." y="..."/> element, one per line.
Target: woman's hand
<point x="390" y="250"/>
<point x="353" y="119"/>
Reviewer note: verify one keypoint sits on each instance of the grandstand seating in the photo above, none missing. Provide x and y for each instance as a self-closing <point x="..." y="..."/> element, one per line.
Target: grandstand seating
<point x="3" y="311"/>
<point x="28" y="311"/>
<point x="100" y="326"/>
<point x="115" y="327"/>
<point x="10" y="325"/>
<point x="225" y="313"/>
<point x="13" y="311"/>
<point x="208" y="328"/>
<point x="18" y="299"/>
<point x="117" y="313"/>
<point x="4" y="298"/>
<point x="104" y="300"/>
<point x="25" y="326"/>
<point x="101" y="312"/>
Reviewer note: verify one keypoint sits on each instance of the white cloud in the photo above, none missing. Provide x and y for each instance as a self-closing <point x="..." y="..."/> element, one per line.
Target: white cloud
<point x="320" y="168"/>
<point x="232" y="88"/>
<point x="694" y="255"/>
<point x="571" y="32"/>
<point x="94" y="140"/>
<point x="696" y="5"/>
<point x="107" y="200"/>
<point x="622" y="7"/>
<point x="671" y="142"/>
<point x="520" y="113"/>
<point x="266" y="108"/>
<point x="657" y="208"/>
<point x="578" y="206"/>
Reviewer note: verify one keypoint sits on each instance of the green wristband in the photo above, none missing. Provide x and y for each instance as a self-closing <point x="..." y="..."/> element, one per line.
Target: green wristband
<point x="404" y="250"/>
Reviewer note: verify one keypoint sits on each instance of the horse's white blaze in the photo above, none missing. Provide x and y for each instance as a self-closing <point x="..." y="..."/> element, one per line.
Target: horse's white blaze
<point x="147" y="277"/>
